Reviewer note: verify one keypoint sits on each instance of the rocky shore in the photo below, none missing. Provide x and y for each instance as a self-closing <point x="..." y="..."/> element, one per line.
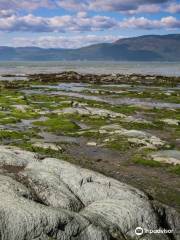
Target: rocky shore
<point x="71" y="76"/>
<point x="89" y="157"/>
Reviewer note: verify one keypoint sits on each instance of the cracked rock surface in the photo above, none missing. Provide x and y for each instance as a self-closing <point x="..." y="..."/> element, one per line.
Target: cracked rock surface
<point x="51" y="199"/>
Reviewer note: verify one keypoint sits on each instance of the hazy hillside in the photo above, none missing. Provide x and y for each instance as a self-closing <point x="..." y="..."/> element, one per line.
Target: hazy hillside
<point x="166" y="47"/>
<point x="143" y="48"/>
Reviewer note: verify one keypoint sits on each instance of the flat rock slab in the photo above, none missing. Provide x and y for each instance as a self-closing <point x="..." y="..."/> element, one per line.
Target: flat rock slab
<point x="167" y="156"/>
<point x="171" y="121"/>
<point x="90" y="111"/>
<point x="143" y="138"/>
<point x="52" y="199"/>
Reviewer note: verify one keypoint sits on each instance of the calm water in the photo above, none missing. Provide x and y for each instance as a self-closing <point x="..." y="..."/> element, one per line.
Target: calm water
<point x="170" y="69"/>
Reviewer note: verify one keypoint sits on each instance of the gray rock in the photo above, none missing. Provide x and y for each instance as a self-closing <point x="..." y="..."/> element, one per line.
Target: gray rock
<point x="89" y="111"/>
<point x="171" y="121"/>
<point x="15" y="157"/>
<point x="20" y="107"/>
<point x="167" y="156"/>
<point x="52" y="199"/>
<point x="50" y="146"/>
<point x="137" y="137"/>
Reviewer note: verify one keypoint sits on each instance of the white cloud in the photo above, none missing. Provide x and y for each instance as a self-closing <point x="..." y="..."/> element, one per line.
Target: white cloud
<point x="174" y="8"/>
<point x="125" y="6"/>
<point x="6" y="13"/>
<point x="79" y="22"/>
<point x="24" y="4"/>
<point x="76" y="5"/>
<point x="63" y="41"/>
<point x="170" y="22"/>
<point x="151" y="8"/>
<point x="144" y="23"/>
<point x="122" y="6"/>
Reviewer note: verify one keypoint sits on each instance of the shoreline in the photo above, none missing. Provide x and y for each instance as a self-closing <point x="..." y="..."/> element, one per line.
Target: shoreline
<point x="73" y="76"/>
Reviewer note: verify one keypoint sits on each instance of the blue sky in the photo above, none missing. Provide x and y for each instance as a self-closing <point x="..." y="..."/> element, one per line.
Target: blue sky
<point x="75" y="23"/>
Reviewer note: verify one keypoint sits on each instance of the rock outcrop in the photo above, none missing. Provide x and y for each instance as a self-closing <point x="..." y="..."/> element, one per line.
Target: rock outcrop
<point x="136" y="137"/>
<point x="86" y="111"/>
<point x="46" y="198"/>
<point x="167" y="156"/>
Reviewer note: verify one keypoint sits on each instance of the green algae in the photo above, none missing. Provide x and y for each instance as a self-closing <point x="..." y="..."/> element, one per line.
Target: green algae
<point x="58" y="124"/>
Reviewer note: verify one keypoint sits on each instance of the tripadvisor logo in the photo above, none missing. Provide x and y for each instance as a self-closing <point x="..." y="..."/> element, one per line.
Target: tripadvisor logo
<point x="140" y="231"/>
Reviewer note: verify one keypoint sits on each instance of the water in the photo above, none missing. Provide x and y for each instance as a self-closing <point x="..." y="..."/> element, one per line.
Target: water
<point x="75" y="87"/>
<point x="153" y="68"/>
<point x="109" y="100"/>
<point x="14" y="78"/>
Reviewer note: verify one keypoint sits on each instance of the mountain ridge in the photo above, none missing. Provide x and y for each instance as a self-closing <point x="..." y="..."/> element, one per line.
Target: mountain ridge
<point x="141" y="48"/>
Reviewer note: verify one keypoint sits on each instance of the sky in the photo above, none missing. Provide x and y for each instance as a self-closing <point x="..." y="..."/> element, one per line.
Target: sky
<point x="78" y="23"/>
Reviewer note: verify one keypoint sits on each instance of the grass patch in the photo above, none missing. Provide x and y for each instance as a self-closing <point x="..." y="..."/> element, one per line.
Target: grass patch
<point x="119" y="145"/>
<point x="145" y="162"/>
<point x="175" y="169"/>
<point x="166" y="113"/>
<point x="92" y="134"/>
<point x="136" y="125"/>
<point x="141" y="159"/>
<point x="8" y="120"/>
<point x="124" y="109"/>
<point x="58" y="125"/>
<point x="47" y="152"/>
<point x="11" y="135"/>
<point x="92" y="121"/>
<point x="24" y="115"/>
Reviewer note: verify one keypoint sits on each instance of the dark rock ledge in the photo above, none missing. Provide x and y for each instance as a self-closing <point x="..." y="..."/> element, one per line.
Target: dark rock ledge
<point x="71" y="76"/>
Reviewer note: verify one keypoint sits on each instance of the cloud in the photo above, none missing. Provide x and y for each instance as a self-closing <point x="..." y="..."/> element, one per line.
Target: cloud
<point x="75" y="5"/>
<point x="25" y="23"/>
<point x="123" y="6"/>
<point x="81" y="23"/>
<point x="78" y="23"/>
<point x="24" y="4"/>
<point x="63" y="41"/>
<point x="151" y="8"/>
<point x="169" y="22"/>
<point x="174" y="8"/>
<point x="6" y="13"/>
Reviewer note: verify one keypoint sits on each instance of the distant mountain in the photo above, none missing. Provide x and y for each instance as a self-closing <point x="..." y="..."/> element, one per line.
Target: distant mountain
<point x="143" y="48"/>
